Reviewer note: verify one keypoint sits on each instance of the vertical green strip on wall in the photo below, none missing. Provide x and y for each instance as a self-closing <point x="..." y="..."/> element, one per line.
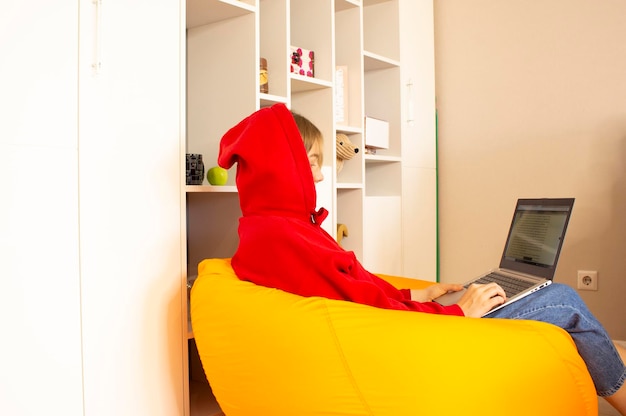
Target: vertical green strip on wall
<point x="437" y="186"/>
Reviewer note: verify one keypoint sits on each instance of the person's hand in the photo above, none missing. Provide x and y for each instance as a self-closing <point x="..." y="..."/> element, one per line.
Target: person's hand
<point x="479" y="299"/>
<point x="433" y="292"/>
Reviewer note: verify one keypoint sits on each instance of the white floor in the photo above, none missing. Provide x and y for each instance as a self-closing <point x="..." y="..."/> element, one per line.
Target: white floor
<point x="604" y="408"/>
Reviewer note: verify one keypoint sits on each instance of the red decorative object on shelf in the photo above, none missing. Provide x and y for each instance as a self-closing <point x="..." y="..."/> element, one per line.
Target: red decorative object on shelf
<point x="302" y="62"/>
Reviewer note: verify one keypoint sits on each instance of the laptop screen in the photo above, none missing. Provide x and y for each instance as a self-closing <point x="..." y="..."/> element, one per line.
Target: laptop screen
<point x="536" y="236"/>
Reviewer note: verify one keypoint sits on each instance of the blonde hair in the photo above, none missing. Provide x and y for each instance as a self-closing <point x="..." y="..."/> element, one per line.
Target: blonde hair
<point x="310" y="134"/>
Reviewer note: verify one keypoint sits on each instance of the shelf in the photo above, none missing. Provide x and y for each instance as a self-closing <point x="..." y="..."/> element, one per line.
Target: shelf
<point x="381" y="34"/>
<point x="372" y="2"/>
<point x="382" y="159"/>
<point x="349" y="185"/>
<point x="210" y="188"/>
<point x="346" y="4"/>
<point x="374" y="62"/>
<point x="268" y="100"/>
<point x="348" y="129"/>
<point x="204" y="12"/>
<point x="300" y="83"/>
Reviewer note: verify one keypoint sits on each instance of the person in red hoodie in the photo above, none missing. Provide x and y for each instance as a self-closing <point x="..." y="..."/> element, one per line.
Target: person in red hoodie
<point x="282" y="245"/>
<point x="281" y="241"/>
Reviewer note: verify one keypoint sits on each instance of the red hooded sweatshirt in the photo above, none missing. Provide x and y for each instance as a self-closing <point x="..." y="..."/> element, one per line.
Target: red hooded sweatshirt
<point x="281" y="243"/>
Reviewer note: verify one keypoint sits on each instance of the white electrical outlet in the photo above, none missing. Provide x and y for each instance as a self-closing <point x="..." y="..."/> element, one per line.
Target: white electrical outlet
<point x="587" y="280"/>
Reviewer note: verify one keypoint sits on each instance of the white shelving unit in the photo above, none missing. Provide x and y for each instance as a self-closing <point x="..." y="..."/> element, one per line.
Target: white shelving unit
<point x="223" y="88"/>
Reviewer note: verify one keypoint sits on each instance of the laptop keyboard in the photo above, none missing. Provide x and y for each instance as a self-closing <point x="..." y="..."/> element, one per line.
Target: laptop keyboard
<point x="511" y="285"/>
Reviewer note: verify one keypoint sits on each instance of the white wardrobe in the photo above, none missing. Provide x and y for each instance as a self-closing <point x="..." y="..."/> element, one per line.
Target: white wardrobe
<point x="91" y="297"/>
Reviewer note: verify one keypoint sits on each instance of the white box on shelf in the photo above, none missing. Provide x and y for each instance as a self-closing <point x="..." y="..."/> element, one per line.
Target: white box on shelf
<point x="376" y="133"/>
<point x="341" y="95"/>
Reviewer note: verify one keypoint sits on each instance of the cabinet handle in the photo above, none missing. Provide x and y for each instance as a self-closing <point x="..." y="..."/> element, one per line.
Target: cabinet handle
<point x="410" y="105"/>
<point x="97" y="61"/>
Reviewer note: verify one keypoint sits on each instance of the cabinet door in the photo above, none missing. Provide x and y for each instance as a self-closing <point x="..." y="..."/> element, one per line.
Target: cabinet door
<point x="419" y="152"/>
<point x="130" y="208"/>
<point x="383" y="234"/>
<point x="39" y="284"/>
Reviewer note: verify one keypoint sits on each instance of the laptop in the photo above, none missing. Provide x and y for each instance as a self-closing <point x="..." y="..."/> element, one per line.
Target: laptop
<point x="531" y="251"/>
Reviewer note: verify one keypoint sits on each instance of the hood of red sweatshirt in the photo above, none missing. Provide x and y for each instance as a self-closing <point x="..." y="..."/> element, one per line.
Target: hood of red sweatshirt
<point x="273" y="171"/>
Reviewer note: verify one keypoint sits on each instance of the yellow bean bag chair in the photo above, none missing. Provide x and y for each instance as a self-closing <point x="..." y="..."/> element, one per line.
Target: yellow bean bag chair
<point x="266" y="352"/>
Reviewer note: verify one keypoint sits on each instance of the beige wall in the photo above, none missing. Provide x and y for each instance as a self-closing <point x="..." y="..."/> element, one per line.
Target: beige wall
<point x="532" y="103"/>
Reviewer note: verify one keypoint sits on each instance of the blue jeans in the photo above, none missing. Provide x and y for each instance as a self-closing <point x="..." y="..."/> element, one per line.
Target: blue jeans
<point x="560" y="305"/>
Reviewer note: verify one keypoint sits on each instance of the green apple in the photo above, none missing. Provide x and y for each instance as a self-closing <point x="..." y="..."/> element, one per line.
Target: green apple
<point x="217" y="176"/>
